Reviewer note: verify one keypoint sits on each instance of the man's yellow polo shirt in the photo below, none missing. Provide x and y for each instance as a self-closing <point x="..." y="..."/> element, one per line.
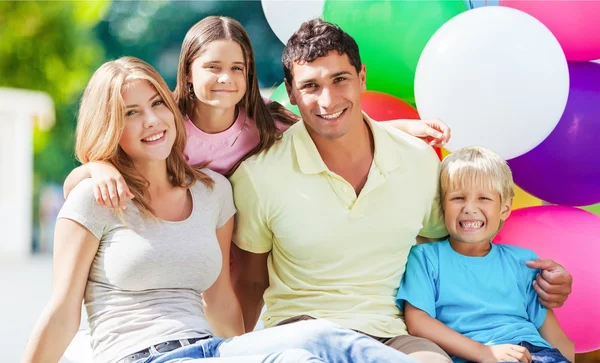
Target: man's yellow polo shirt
<point x="335" y="255"/>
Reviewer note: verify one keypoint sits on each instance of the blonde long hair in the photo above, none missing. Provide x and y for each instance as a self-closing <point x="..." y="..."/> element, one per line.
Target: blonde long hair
<point x="214" y="28"/>
<point x="101" y="121"/>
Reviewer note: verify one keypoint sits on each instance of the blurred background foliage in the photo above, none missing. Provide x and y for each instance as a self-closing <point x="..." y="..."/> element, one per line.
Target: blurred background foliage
<point x="54" y="47"/>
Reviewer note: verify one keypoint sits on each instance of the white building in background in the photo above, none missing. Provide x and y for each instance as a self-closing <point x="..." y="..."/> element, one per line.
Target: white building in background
<point x="20" y="110"/>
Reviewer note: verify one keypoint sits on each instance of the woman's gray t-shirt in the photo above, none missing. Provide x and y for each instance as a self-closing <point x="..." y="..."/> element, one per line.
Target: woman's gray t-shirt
<point x="146" y="281"/>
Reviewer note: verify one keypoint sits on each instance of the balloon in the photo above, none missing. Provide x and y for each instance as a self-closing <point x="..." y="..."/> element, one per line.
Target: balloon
<point x="574" y="23"/>
<point x="280" y="95"/>
<point x="593" y="208"/>
<point x="497" y="76"/>
<point x="565" y="168"/>
<point x="391" y="36"/>
<point x="383" y="107"/>
<point x="522" y="199"/>
<point x="570" y="237"/>
<point x="472" y="4"/>
<point x="445" y="153"/>
<point x="284" y="16"/>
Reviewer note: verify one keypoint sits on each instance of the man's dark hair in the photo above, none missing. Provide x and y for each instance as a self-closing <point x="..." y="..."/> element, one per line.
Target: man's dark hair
<point x="315" y="39"/>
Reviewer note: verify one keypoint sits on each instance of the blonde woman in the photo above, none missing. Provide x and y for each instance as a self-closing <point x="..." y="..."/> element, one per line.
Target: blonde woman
<point x="155" y="277"/>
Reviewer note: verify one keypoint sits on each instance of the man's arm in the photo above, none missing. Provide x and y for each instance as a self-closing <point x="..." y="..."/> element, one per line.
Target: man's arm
<point x="222" y="308"/>
<point x="553" y="333"/>
<point x="553" y="285"/>
<point x="250" y="279"/>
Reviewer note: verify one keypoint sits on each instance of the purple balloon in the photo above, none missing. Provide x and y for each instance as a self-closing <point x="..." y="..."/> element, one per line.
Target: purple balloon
<point x="565" y="168"/>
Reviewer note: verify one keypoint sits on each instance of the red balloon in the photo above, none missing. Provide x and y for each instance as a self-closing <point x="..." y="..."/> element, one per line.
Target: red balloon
<point x="384" y="107"/>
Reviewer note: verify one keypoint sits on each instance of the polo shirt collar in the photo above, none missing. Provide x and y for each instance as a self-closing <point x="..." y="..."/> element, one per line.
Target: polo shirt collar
<point x="387" y="157"/>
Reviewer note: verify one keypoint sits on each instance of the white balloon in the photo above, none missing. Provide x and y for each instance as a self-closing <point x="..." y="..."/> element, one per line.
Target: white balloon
<point x="497" y="76"/>
<point x="285" y="16"/>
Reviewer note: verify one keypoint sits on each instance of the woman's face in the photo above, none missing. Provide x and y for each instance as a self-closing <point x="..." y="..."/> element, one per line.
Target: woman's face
<point x="218" y="75"/>
<point x="149" y="132"/>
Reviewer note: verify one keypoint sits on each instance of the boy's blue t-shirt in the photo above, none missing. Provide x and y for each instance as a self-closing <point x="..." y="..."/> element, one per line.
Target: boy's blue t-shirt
<point x="489" y="299"/>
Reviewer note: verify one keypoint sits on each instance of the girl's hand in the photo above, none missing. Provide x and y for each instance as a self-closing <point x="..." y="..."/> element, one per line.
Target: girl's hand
<point x="434" y="131"/>
<point x="110" y="189"/>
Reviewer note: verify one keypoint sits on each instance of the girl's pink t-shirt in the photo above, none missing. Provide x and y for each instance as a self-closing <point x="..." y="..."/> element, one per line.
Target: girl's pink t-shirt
<point x="223" y="150"/>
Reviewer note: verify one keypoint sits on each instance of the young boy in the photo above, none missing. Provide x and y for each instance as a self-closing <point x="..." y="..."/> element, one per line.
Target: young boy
<point x="470" y="296"/>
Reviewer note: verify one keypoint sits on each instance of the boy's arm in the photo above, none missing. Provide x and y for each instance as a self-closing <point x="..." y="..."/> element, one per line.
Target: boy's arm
<point x="422" y="325"/>
<point x="553" y="333"/>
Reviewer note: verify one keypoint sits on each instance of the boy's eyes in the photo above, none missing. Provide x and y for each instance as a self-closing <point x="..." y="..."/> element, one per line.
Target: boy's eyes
<point x="462" y="198"/>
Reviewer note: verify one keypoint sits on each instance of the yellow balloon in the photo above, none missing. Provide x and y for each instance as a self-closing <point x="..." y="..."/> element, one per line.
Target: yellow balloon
<point x="444" y="153"/>
<point x="523" y="199"/>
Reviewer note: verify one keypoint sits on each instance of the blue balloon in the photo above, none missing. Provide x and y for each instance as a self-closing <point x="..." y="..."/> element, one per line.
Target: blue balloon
<point x="472" y="4"/>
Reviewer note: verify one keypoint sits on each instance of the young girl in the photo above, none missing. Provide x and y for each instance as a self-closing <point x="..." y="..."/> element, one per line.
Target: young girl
<point x="155" y="278"/>
<point x="227" y="119"/>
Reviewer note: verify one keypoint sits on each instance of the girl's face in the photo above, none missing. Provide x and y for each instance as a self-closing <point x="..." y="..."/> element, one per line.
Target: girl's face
<point x="218" y="75"/>
<point x="149" y="132"/>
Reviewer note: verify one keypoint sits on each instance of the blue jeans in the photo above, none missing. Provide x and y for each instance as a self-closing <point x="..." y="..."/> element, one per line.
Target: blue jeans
<point x="543" y="354"/>
<point x="303" y="341"/>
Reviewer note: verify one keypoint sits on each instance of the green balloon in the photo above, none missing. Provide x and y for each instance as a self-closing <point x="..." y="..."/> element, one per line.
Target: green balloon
<point x="391" y="35"/>
<point x="280" y="95"/>
<point x="593" y="208"/>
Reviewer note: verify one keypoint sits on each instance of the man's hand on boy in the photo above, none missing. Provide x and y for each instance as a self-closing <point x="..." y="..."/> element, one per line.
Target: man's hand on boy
<point x="506" y="353"/>
<point x="553" y="285"/>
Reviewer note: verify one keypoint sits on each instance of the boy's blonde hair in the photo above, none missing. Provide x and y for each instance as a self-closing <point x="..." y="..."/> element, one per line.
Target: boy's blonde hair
<point x="101" y="121"/>
<point x="476" y="165"/>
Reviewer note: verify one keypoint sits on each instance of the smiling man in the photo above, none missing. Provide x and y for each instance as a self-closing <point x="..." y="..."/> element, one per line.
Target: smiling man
<point x="327" y="216"/>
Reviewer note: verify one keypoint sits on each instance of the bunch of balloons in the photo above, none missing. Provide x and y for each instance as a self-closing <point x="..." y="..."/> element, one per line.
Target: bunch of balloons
<point x="513" y="76"/>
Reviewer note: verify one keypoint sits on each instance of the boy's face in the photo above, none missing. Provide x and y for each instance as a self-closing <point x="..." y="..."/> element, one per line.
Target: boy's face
<point x="473" y="214"/>
<point x="327" y="93"/>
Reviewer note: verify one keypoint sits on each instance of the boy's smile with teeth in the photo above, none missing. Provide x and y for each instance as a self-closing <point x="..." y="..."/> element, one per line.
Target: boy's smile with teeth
<point x="471" y="224"/>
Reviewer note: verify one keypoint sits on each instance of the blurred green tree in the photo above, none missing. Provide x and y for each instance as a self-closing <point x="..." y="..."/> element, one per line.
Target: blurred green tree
<point x="154" y="31"/>
<point x="51" y="47"/>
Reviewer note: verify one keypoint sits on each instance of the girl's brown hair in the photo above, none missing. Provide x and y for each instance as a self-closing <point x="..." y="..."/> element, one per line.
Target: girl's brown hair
<point x="101" y="121"/>
<point x="213" y="28"/>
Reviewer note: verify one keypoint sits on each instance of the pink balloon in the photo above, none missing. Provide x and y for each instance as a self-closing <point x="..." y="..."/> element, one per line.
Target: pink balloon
<point x="574" y="23"/>
<point x="569" y="236"/>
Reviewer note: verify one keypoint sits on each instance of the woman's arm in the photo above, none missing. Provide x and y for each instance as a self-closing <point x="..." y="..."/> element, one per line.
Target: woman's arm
<point x="110" y="189"/>
<point x="222" y="307"/>
<point x="422" y="325"/>
<point x="74" y="251"/>
<point x="434" y="131"/>
<point x="553" y="333"/>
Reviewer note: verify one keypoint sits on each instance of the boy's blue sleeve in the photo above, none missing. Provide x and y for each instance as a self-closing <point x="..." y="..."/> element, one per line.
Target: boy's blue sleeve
<point x="418" y="286"/>
<point x="535" y="310"/>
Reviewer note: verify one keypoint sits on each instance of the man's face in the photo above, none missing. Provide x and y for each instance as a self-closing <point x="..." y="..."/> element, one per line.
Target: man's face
<point x="327" y="93"/>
